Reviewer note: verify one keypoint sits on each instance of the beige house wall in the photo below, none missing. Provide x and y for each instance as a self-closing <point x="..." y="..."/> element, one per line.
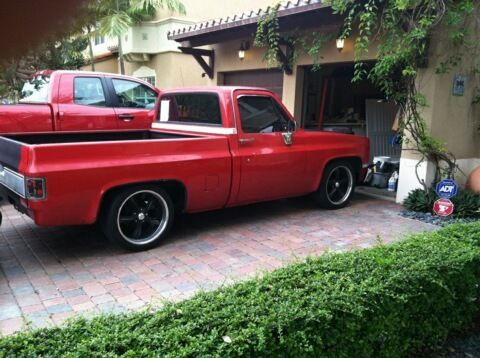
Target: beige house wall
<point x="177" y="70"/>
<point x="455" y="120"/>
<point x="109" y="65"/>
<point x="172" y="69"/>
<point x="450" y="119"/>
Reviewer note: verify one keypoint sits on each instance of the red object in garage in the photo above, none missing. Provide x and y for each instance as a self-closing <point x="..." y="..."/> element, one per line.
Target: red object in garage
<point x="443" y="207"/>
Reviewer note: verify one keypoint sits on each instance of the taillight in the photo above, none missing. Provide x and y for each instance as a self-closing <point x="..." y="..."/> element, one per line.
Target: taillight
<point x="35" y="188"/>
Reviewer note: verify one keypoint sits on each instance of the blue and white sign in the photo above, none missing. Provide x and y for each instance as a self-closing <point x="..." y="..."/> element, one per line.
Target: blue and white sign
<point x="447" y="188"/>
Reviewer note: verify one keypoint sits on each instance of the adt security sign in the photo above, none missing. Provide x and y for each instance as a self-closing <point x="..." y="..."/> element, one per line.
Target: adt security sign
<point x="447" y="189"/>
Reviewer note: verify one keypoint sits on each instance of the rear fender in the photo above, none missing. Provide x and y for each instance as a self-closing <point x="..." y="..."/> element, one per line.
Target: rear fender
<point x="176" y="189"/>
<point x="355" y="162"/>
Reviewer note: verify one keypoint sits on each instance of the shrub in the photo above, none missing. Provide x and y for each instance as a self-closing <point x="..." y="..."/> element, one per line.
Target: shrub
<point x="467" y="203"/>
<point x="387" y="301"/>
<point x="419" y="201"/>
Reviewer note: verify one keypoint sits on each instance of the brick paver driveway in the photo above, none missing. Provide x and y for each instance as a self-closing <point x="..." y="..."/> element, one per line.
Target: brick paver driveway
<point x="48" y="275"/>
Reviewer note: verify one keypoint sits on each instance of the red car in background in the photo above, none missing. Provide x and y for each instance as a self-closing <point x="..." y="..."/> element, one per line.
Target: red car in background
<point x="80" y="101"/>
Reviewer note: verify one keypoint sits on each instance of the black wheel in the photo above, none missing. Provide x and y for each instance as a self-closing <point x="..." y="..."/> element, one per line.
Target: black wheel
<point x="138" y="218"/>
<point x="337" y="186"/>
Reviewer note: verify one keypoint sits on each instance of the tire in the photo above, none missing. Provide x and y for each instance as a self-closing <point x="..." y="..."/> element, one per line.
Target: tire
<point x="138" y="218"/>
<point x="337" y="186"/>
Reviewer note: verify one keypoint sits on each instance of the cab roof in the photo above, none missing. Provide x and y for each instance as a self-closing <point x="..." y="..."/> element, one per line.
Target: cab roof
<point x="215" y="89"/>
<point x="49" y="73"/>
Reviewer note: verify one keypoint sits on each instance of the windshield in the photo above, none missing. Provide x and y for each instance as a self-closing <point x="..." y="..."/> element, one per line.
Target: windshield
<point x="35" y="90"/>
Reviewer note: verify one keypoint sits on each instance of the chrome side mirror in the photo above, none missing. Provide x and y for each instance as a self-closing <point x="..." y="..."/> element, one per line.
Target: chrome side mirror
<point x="287" y="138"/>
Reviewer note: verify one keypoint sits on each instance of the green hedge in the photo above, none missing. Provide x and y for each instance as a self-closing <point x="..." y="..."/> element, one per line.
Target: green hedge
<point x="387" y="301"/>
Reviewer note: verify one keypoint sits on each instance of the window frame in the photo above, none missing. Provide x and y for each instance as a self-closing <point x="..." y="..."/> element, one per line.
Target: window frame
<point x="213" y="94"/>
<point x="104" y="89"/>
<point x="147" y="80"/>
<point x="116" y="103"/>
<point x="99" y="40"/>
<point x="283" y="112"/>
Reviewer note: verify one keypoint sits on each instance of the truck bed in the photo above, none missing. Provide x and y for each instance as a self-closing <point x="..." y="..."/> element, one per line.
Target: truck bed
<point x="57" y="137"/>
<point x="79" y="168"/>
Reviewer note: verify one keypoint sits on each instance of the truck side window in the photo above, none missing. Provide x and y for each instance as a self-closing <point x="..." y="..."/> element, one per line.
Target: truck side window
<point x="88" y="91"/>
<point x="261" y="114"/>
<point x="191" y="108"/>
<point x="132" y="94"/>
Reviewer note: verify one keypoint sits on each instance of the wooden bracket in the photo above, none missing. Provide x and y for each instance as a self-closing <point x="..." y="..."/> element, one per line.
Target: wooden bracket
<point x="199" y="55"/>
<point x="285" y="57"/>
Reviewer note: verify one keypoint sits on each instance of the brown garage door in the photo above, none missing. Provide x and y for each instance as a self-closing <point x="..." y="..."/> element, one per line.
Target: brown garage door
<point x="271" y="79"/>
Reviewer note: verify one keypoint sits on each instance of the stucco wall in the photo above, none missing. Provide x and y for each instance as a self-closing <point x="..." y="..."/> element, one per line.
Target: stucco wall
<point x="109" y="65"/>
<point x="451" y="119"/>
<point x="455" y="120"/>
<point x="172" y="70"/>
<point x="177" y="70"/>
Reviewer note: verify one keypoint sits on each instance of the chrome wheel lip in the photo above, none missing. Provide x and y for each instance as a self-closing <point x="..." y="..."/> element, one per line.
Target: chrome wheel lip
<point x="350" y="185"/>
<point x="161" y="227"/>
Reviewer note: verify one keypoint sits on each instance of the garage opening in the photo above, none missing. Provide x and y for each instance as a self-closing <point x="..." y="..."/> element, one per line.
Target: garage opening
<point x="332" y="102"/>
<point x="270" y="79"/>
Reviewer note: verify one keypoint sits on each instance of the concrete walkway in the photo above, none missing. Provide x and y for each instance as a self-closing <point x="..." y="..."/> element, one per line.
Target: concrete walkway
<point x="50" y="274"/>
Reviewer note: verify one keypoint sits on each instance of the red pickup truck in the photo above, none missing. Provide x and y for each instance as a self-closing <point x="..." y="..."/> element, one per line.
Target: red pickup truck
<point x="79" y="101"/>
<point x="210" y="148"/>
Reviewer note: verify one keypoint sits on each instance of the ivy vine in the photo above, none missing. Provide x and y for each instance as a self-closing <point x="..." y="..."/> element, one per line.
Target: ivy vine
<point x="403" y="29"/>
<point x="268" y="35"/>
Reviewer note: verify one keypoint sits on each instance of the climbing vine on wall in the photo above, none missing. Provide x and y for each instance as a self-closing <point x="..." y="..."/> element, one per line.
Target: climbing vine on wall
<point x="403" y="29"/>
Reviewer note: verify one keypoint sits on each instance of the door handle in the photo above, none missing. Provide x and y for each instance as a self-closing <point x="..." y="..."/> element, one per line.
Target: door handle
<point x="246" y="140"/>
<point x="126" y="117"/>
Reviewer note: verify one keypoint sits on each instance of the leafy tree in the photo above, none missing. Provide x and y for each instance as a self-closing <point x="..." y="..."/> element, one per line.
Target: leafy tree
<point x="64" y="54"/>
<point x="117" y="16"/>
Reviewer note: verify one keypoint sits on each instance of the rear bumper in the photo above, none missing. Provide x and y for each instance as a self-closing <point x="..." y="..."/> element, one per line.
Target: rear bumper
<point x="14" y="199"/>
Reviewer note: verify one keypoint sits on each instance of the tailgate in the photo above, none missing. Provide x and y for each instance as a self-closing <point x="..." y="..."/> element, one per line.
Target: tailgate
<point x="13" y="156"/>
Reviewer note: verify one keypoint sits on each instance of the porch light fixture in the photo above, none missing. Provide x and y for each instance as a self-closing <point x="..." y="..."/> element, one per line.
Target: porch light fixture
<point x="340" y="44"/>
<point x="244" y="46"/>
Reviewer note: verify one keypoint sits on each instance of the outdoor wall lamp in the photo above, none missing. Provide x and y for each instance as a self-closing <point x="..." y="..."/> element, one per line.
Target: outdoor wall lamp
<point x="244" y="46"/>
<point x="340" y="44"/>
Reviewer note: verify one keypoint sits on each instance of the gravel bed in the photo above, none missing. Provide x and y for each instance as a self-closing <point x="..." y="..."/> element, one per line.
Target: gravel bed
<point x="436" y="220"/>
